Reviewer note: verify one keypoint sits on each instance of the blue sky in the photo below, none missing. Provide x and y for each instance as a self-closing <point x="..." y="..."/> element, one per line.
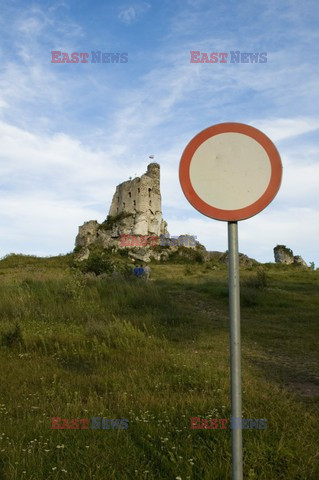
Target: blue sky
<point x="71" y="132"/>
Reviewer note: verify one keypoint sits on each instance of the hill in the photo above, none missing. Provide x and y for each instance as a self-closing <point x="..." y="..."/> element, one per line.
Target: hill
<point x="77" y="346"/>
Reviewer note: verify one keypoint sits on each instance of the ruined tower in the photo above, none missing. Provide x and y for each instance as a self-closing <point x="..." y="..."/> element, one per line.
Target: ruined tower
<point x="141" y="199"/>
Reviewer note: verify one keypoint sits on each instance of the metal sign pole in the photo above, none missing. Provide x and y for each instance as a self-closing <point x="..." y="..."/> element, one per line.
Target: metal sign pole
<point x="235" y="361"/>
<point x="231" y="188"/>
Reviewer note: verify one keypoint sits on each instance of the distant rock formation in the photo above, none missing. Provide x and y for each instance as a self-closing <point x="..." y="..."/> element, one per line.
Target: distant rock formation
<point x="285" y="255"/>
<point x="244" y="260"/>
<point x="299" y="261"/>
<point x="222" y="257"/>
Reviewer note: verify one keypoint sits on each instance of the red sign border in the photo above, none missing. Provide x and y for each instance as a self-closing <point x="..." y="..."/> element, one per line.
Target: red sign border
<point x="241" y="213"/>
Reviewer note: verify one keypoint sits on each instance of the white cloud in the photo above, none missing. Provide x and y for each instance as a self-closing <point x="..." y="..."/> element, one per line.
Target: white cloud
<point x="130" y="14"/>
<point x="49" y="186"/>
<point x="38" y="224"/>
<point x="282" y="128"/>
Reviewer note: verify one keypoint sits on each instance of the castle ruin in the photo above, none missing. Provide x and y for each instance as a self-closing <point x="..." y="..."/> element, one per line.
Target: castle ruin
<point x="135" y="210"/>
<point x="141" y="199"/>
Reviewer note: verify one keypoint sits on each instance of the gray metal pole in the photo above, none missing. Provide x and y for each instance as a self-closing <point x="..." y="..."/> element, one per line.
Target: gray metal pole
<point x="235" y="363"/>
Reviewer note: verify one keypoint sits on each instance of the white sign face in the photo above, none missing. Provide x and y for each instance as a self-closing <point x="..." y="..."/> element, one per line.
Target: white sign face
<point x="232" y="162"/>
<point x="230" y="171"/>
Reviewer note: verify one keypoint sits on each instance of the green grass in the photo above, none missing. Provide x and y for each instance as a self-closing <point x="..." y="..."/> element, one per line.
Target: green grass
<point x="157" y="353"/>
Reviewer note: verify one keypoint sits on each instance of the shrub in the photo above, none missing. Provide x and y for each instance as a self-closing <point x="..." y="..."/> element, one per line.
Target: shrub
<point x="98" y="262"/>
<point x="188" y="270"/>
<point x="187" y="255"/>
<point x="123" y="252"/>
<point x="75" y="286"/>
<point x="12" y="337"/>
<point x="110" y="221"/>
<point x="249" y="297"/>
<point x="259" y="281"/>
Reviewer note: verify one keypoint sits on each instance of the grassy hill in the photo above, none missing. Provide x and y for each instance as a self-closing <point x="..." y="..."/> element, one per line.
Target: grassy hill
<point x="157" y="354"/>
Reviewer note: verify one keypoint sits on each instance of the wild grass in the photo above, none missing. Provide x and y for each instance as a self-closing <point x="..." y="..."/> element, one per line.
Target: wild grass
<point x="156" y="353"/>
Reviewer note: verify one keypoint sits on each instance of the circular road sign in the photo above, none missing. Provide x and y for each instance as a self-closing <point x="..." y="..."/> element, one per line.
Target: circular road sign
<point x="230" y="171"/>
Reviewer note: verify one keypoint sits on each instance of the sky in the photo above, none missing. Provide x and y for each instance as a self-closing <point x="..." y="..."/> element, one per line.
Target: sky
<point x="71" y="132"/>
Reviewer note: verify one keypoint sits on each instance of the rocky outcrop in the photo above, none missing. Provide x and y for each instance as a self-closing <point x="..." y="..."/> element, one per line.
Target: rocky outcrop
<point x="299" y="261"/>
<point x="244" y="261"/>
<point x="285" y="256"/>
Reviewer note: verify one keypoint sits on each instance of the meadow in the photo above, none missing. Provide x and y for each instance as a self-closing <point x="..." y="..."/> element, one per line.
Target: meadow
<point x="74" y="345"/>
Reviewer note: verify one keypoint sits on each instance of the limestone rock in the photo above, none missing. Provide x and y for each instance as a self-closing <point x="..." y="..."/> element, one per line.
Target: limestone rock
<point x="244" y="260"/>
<point x="87" y="234"/>
<point x="82" y="255"/>
<point x="142" y="254"/>
<point x="283" y="255"/>
<point x="299" y="261"/>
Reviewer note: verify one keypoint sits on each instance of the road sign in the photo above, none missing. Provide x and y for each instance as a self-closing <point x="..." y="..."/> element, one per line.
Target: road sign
<point x="230" y="171"/>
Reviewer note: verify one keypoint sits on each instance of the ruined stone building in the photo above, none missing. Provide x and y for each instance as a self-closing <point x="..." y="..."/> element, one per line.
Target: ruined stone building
<point x="135" y="210"/>
<point x="141" y="198"/>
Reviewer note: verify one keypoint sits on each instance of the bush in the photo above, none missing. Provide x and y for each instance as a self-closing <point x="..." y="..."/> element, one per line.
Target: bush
<point x="75" y="286"/>
<point x="259" y="281"/>
<point x="123" y="252"/>
<point x="110" y="221"/>
<point x="250" y="297"/>
<point x="187" y="255"/>
<point x="188" y="270"/>
<point x="12" y="337"/>
<point x="98" y="262"/>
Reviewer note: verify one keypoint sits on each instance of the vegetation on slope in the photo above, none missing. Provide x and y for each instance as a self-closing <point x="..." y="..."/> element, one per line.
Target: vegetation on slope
<point x="157" y="353"/>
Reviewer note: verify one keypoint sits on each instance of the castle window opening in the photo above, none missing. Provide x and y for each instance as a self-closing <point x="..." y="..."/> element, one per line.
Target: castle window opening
<point x="129" y="194"/>
<point x="123" y="204"/>
<point x="149" y="192"/>
<point x="138" y="190"/>
<point x="134" y="203"/>
<point x="150" y="203"/>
